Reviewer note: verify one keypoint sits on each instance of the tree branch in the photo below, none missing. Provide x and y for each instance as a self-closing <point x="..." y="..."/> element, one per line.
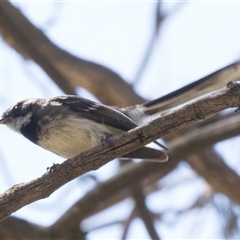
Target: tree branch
<point x="214" y="170"/>
<point x="190" y="143"/>
<point x="16" y="228"/>
<point x="143" y="211"/>
<point x="25" y="193"/>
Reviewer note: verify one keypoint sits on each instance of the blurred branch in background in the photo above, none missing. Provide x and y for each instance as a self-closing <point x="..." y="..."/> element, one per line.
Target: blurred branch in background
<point x="193" y="144"/>
<point x="159" y="19"/>
<point x="66" y="70"/>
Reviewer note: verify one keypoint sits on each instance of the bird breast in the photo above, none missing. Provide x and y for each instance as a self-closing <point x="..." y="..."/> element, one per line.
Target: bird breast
<point x="73" y="135"/>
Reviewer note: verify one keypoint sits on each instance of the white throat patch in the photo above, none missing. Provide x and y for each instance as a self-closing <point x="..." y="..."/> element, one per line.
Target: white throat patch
<point x="18" y="123"/>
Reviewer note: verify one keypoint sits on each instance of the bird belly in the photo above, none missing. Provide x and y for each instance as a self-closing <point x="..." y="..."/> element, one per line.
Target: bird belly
<point x="74" y="135"/>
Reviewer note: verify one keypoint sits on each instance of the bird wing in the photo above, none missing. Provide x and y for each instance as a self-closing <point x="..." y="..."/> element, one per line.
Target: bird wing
<point x="96" y="112"/>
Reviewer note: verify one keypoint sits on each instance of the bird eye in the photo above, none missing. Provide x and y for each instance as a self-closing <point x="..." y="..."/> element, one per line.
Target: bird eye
<point x="16" y="109"/>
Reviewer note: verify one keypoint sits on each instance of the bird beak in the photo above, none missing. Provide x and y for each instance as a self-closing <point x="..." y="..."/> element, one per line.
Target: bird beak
<point x="3" y="120"/>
